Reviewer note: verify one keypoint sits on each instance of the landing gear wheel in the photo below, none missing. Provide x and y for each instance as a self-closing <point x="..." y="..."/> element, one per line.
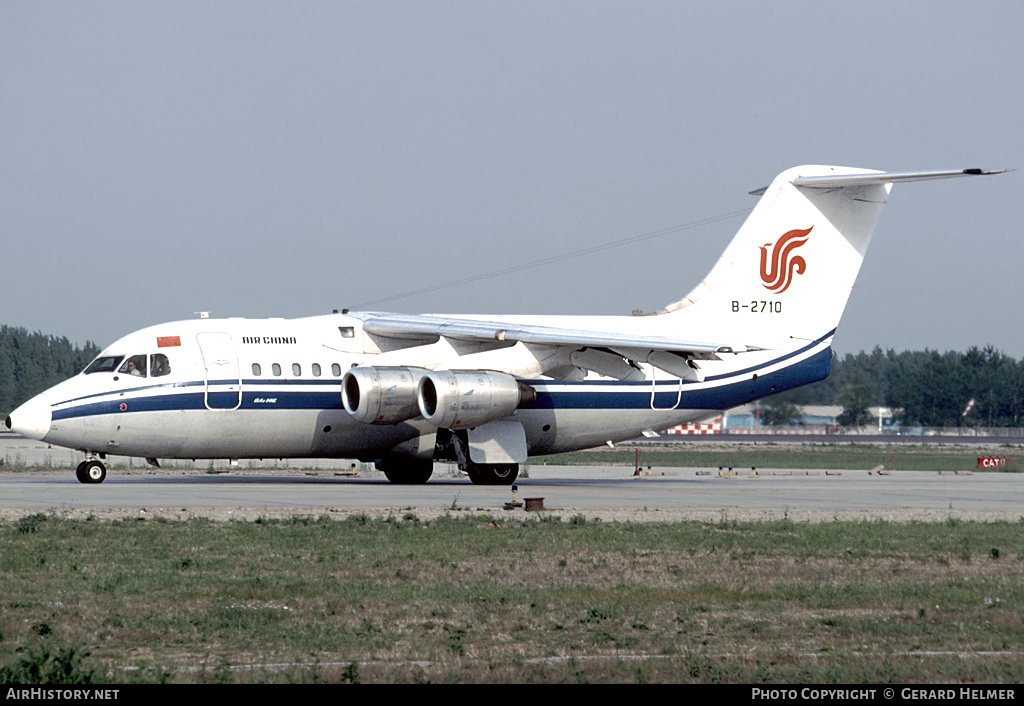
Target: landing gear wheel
<point x="503" y="473"/>
<point x="91" y="472"/>
<point x="405" y="470"/>
<point x="482" y="473"/>
<point x="493" y="473"/>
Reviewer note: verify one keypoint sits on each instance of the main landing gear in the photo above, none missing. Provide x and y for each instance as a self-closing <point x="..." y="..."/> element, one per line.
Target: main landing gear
<point x="483" y="473"/>
<point x="91" y="471"/>
<point x="409" y="470"/>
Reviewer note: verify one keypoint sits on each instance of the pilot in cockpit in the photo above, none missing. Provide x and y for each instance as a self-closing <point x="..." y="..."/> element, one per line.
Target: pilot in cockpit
<point x="135" y="365"/>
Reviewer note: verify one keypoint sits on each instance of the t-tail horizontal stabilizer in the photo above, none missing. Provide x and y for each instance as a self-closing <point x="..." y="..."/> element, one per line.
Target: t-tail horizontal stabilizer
<point x="788" y="272"/>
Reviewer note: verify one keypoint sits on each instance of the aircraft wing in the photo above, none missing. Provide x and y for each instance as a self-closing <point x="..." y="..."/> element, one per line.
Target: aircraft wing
<point x="612" y="354"/>
<point x="415" y="326"/>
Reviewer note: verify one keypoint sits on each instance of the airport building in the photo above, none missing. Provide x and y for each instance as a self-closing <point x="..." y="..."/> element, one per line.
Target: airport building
<point x="815" y="419"/>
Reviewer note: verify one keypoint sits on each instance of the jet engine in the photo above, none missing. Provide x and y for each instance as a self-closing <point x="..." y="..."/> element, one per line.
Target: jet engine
<point x="459" y="399"/>
<point x="382" y="395"/>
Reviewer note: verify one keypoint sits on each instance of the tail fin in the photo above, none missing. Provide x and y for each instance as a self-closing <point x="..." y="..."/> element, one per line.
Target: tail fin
<point x="788" y="272"/>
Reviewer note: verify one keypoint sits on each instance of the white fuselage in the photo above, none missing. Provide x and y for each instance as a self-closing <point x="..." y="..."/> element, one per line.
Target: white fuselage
<point x="242" y="388"/>
<point x="487" y="390"/>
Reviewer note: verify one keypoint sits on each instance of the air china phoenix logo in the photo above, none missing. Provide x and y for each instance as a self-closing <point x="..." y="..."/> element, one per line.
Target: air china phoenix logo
<point x="777" y="274"/>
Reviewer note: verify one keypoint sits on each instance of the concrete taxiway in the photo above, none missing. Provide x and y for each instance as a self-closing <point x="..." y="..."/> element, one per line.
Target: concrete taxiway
<point x="608" y="492"/>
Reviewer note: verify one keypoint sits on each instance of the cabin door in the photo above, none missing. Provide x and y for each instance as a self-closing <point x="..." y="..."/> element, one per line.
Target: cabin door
<point x="223" y="381"/>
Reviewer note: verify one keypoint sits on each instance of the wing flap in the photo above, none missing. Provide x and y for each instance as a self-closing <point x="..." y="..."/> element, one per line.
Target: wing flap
<point x="413" y="326"/>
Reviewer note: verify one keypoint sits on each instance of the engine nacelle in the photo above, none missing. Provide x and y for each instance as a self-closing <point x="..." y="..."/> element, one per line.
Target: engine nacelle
<point x="381" y="395"/>
<point x="459" y="399"/>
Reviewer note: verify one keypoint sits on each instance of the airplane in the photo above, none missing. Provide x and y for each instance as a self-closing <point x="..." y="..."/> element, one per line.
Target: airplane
<point x="487" y="392"/>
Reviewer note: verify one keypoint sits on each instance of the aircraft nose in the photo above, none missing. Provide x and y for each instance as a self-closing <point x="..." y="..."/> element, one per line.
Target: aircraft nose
<point x="31" y="419"/>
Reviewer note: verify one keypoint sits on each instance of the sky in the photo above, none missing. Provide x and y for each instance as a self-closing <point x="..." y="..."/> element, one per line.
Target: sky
<point x="283" y="159"/>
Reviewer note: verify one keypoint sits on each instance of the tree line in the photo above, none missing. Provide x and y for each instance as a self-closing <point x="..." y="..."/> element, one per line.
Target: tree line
<point x="927" y="388"/>
<point x="924" y="388"/>
<point x="32" y="362"/>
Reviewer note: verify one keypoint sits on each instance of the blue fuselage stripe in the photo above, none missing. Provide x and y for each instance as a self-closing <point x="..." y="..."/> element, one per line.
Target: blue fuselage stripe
<point x="262" y="394"/>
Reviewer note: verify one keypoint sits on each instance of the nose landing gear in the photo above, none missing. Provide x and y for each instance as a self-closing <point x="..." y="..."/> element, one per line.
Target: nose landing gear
<point x="91" y="471"/>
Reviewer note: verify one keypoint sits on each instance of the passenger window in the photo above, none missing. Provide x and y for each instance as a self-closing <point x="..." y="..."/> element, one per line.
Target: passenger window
<point x="256" y="369"/>
<point x="135" y="365"/>
<point x="296" y="370"/>
<point x="159" y="365"/>
<point x="316" y="370"/>
<point x="276" y="367"/>
<point x="335" y="370"/>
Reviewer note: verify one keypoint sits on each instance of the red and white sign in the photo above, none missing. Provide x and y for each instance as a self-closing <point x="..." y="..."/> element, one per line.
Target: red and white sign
<point x="993" y="462"/>
<point x="714" y="427"/>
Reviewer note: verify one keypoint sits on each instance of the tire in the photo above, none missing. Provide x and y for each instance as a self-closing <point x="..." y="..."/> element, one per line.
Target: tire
<point x="503" y="473"/>
<point x="405" y="470"/>
<point x="493" y="473"/>
<point x="93" y="472"/>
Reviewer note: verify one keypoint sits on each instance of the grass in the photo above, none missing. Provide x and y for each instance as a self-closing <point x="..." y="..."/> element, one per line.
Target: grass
<point x="486" y="599"/>
<point x="848" y="456"/>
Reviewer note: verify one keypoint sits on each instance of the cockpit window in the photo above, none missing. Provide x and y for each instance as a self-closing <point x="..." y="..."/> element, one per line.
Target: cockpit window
<point x="135" y="365"/>
<point x="104" y="364"/>
<point x="159" y="365"/>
